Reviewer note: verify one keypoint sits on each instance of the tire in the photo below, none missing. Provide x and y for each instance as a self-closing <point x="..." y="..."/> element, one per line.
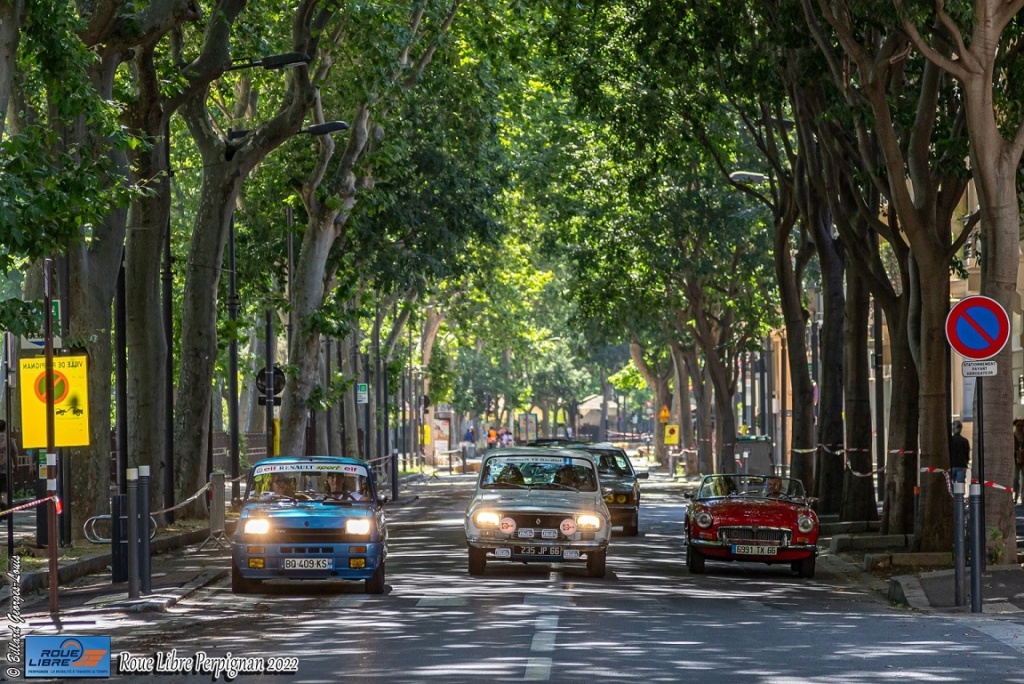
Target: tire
<point x="375" y="585"/>
<point x="477" y="561"/>
<point x="694" y="560"/>
<point x="805" y="568"/>
<point x="633" y="528"/>
<point x="596" y="563"/>
<point x="241" y="585"/>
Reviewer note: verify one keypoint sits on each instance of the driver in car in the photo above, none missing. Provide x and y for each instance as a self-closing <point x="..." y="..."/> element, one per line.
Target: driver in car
<point x="343" y="487"/>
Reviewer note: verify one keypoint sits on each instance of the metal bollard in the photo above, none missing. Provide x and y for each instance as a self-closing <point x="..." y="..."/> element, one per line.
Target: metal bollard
<point x="133" y="533"/>
<point x="145" y="559"/>
<point x="118" y="540"/>
<point x="977" y="547"/>
<point x="959" y="550"/>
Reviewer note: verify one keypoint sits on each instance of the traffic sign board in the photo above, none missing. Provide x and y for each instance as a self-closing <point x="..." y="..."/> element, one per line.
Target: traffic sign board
<point x="978" y="369"/>
<point x="977" y="327"/>
<point x="279" y="381"/>
<point x="362" y="393"/>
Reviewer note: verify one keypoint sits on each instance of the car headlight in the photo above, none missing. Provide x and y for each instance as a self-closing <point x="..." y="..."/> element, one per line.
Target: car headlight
<point x="703" y="519"/>
<point x="487" y="519"/>
<point x="256" y="526"/>
<point x="621" y="498"/>
<point x="588" y="522"/>
<point x="609" y="497"/>
<point x="357" y="526"/>
<point x="805" y="523"/>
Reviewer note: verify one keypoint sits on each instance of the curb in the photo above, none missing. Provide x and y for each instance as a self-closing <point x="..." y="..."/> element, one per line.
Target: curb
<point x="162" y="602"/>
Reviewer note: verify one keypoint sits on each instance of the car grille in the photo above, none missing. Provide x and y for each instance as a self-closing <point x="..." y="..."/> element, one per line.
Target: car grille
<point x="735" y="535"/>
<point x="307" y="536"/>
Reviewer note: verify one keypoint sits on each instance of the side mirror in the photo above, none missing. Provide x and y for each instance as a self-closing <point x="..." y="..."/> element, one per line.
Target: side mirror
<point x="643" y="476"/>
<point x="381" y="500"/>
<point x="236" y="504"/>
<point x="689" y="494"/>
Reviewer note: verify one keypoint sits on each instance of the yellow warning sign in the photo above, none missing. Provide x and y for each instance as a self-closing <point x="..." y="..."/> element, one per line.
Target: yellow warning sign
<point x="663" y="414"/>
<point x="70" y="401"/>
<point x="426" y="434"/>
<point x="671" y="435"/>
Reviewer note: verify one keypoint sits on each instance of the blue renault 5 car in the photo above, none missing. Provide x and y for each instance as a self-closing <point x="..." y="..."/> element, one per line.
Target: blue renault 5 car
<point x="310" y="517"/>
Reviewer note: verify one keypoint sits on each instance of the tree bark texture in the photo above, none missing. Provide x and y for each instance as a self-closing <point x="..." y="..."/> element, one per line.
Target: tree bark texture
<point x="858" y="495"/>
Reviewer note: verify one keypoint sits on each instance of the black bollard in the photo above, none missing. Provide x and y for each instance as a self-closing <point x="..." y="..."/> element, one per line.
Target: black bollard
<point x="977" y="547"/>
<point x="144" y="556"/>
<point x="133" y="533"/>
<point x="118" y="539"/>
<point x="42" y="512"/>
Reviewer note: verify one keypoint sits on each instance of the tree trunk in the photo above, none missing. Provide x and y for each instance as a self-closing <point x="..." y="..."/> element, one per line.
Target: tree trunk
<point x="830" y="442"/>
<point x="703" y="396"/>
<point x="901" y="472"/>
<point x="682" y="379"/>
<point x="350" y="369"/>
<point x="858" y="495"/>
<point x="428" y="336"/>
<point x="935" y="522"/>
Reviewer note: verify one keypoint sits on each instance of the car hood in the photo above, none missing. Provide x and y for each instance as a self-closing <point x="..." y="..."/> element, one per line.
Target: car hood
<point x="765" y="512"/>
<point x="288" y="514"/>
<point x="511" y="500"/>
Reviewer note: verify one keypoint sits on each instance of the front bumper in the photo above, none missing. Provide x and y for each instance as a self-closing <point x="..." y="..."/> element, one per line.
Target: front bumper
<point x="543" y="550"/>
<point x="713" y="548"/>
<point x="366" y="557"/>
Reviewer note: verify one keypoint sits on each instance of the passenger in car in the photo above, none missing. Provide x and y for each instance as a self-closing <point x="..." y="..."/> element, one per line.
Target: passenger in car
<point x="510" y="474"/>
<point x="344" y="487"/>
<point x="566" y="476"/>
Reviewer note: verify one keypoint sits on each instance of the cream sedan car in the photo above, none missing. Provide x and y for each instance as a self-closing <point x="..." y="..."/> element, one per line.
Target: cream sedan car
<point x="533" y="505"/>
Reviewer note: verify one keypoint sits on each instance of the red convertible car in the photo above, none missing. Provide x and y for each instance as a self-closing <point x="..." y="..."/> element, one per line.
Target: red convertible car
<point x="758" y="518"/>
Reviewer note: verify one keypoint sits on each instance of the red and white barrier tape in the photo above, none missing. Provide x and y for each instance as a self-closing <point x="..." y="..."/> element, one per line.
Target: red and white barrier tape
<point x="949" y="482"/>
<point x="188" y="500"/>
<point x="33" y="504"/>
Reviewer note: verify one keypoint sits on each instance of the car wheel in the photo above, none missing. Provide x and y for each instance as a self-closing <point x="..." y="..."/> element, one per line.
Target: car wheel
<point x="477" y="561"/>
<point x="375" y="585"/>
<point x="633" y="528"/>
<point x="242" y="585"/>
<point x="694" y="560"/>
<point x="805" y="568"/>
<point x="596" y="561"/>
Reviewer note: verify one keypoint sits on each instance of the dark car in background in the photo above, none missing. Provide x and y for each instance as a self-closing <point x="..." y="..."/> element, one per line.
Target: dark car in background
<point x="620" y="485"/>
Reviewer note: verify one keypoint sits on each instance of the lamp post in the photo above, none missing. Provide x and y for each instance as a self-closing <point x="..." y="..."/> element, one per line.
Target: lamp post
<point x="318" y="129"/>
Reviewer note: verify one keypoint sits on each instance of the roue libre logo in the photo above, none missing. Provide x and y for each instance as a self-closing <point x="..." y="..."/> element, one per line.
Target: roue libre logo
<point x="67" y="656"/>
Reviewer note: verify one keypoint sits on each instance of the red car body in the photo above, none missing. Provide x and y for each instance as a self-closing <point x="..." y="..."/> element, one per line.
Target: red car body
<point x="754" y="518"/>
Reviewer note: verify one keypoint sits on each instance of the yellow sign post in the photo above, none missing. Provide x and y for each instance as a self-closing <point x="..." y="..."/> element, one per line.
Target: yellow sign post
<point x="671" y="435"/>
<point x="663" y="414"/>
<point x="70" y="401"/>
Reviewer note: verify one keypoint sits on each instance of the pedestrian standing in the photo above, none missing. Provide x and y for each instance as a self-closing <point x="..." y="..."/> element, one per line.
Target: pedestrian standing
<point x="1018" y="457"/>
<point x="8" y="449"/>
<point x="959" y="453"/>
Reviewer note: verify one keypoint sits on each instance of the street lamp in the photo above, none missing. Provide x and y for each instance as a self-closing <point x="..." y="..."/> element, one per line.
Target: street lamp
<point x="271" y="62"/>
<point x="316" y="129"/>
<point x="747" y="177"/>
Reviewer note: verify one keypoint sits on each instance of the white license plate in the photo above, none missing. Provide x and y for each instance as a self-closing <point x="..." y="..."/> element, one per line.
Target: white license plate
<point x="748" y="550"/>
<point x="308" y="563"/>
<point x="526" y="533"/>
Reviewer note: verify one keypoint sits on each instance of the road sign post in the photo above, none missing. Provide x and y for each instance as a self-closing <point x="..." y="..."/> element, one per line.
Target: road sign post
<point x="978" y="328"/>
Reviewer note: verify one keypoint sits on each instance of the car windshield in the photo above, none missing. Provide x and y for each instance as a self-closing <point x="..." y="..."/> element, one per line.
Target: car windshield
<point x="538" y="472"/>
<point x="756" y="486"/>
<point x="306" y="481"/>
<point x="613" y="462"/>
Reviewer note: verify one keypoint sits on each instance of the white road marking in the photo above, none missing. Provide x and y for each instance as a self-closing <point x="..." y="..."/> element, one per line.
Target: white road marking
<point x="543" y="642"/>
<point x="538" y="669"/>
<point x="441" y="601"/>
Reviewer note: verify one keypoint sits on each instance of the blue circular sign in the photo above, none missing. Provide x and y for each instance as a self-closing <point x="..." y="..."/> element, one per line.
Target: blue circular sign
<point x="977" y="327"/>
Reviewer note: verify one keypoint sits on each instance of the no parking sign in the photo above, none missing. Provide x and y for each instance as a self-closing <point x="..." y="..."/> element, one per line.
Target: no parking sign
<point x="977" y="327"/>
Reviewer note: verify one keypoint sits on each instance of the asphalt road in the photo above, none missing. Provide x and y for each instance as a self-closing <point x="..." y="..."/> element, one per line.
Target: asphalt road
<point x="647" y="620"/>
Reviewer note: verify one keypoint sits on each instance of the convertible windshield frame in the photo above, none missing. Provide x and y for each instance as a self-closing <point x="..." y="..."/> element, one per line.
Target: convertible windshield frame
<point x="751" y="486"/>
